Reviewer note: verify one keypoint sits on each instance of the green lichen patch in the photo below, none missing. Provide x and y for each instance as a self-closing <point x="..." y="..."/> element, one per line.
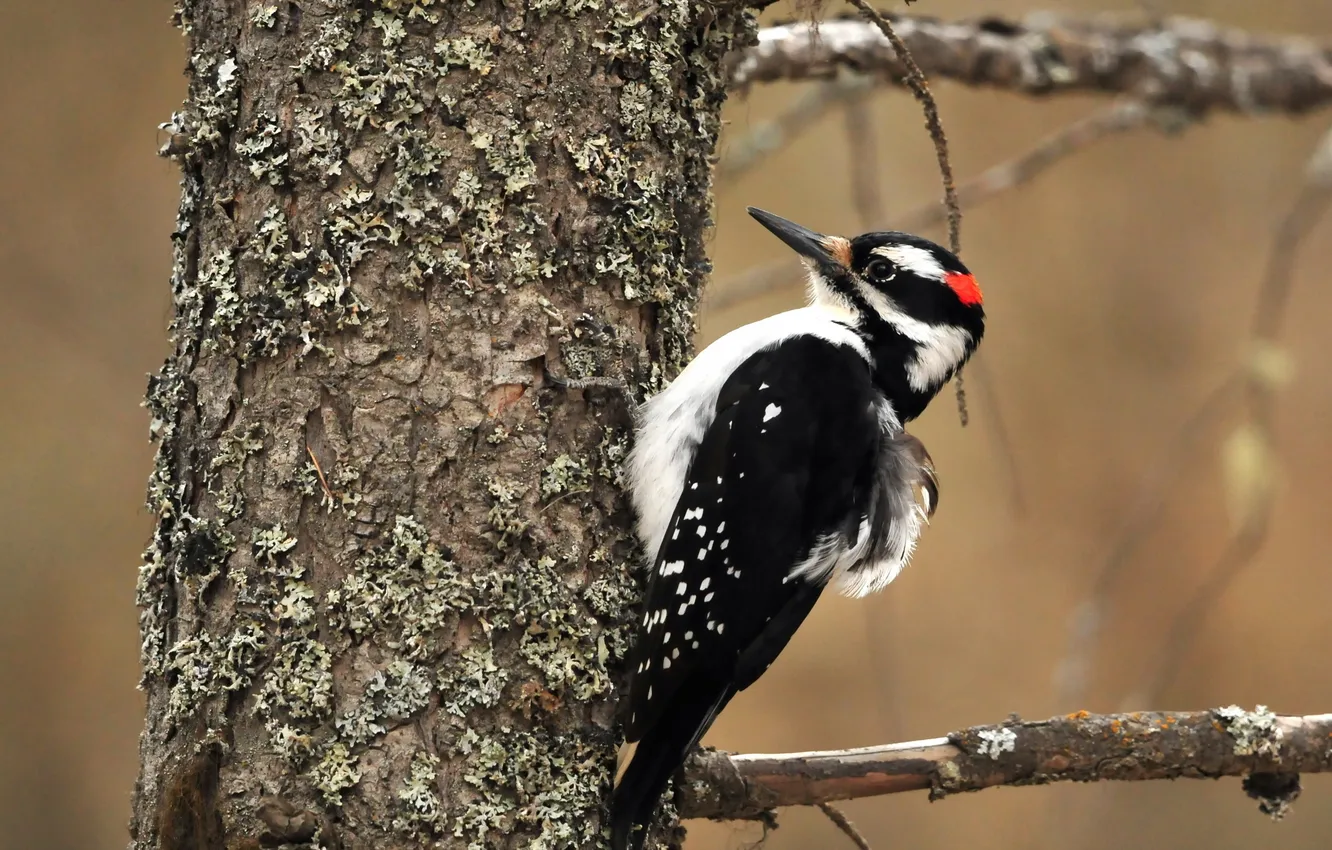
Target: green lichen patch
<point x="408" y="595"/>
<point x="422" y="811"/>
<point x="505" y="517"/>
<point x="335" y="772"/>
<point x="533" y="782"/>
<point x="563" y="475"/>
<point x="298" y="684"/>
<point x="472" y="679"/>
<point x="390" y="697"/>
<point x="207" y="665"/>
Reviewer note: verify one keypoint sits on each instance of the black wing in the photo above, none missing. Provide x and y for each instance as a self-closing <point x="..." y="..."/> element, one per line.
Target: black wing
<point x="788" y="460"/>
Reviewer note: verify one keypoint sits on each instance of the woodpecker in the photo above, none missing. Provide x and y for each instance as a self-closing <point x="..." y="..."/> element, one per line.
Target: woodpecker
<point x="777" y="464"/>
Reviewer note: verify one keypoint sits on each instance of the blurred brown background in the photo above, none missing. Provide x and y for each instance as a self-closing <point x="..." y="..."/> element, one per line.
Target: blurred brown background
<point x="1119" y="286"/>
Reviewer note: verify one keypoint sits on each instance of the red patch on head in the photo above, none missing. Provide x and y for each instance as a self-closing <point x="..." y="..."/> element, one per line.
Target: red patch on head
<point x="968" y="292"/>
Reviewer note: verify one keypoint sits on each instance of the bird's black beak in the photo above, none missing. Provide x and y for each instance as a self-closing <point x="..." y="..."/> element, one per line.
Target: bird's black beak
<point x="825" y="251"/>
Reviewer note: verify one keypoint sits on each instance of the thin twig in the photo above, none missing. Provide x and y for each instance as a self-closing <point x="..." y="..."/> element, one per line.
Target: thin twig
<point x="845" y="825"/>
<point x="920" y="88"/>
<point x="1077" y="747"/>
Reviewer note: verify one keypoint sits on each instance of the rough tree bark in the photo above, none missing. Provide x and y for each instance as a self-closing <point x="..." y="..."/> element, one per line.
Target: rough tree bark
<point x="389" y="587"/>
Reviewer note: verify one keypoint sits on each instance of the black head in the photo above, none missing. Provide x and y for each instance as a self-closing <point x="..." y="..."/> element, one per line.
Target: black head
<point x="913" y="300"/>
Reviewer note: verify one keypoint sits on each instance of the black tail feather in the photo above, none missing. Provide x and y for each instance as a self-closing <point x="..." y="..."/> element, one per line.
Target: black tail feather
<point x="660" y="753"/>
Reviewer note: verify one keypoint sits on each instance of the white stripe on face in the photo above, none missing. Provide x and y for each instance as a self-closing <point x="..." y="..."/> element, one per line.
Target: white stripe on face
<point x="916" y="260"/>
<point x="940" y="347"/>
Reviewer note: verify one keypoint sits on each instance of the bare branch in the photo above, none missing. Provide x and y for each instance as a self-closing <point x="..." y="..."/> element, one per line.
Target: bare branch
<point x="1079" y="747"/>
<point x="1194" y="64"/>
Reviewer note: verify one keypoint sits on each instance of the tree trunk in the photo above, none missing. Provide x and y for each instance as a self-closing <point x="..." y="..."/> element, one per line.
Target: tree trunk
<point x="392" y="577"/>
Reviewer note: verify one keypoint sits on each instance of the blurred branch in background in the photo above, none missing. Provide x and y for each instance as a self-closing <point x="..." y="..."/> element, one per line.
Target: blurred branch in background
<point x="1249" y="457"/>
<point x="1193" y="64"/>
<point x="1120" y="117"/>
<point x="768" y="137"/>
<point x="1269" y="750"/>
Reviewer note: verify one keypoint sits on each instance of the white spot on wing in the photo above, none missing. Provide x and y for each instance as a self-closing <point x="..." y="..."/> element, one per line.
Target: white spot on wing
<point x="771" y="411"/>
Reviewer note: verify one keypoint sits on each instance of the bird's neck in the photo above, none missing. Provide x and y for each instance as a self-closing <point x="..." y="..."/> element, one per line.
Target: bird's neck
<point x="910" y="367"/>
<point x="892" y="354"/>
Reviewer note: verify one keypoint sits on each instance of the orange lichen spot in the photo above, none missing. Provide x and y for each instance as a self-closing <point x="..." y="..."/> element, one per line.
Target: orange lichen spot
<point x="1078" y="715"/>
<point x="501" y="396"/>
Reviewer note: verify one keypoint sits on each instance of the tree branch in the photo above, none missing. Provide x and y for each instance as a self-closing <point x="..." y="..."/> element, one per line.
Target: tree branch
<point x="1078" y="747"/>
<point x="1194" y="64"/>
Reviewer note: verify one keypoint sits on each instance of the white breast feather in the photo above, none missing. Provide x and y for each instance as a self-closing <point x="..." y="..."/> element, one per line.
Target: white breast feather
<point x="672" y="424"/>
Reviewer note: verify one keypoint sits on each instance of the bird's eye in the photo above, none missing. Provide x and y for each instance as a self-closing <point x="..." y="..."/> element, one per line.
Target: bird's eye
<point x="879" y="271"/>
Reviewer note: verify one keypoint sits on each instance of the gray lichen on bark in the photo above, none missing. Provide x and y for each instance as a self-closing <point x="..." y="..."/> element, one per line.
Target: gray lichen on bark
<point x="391" y="580"/>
